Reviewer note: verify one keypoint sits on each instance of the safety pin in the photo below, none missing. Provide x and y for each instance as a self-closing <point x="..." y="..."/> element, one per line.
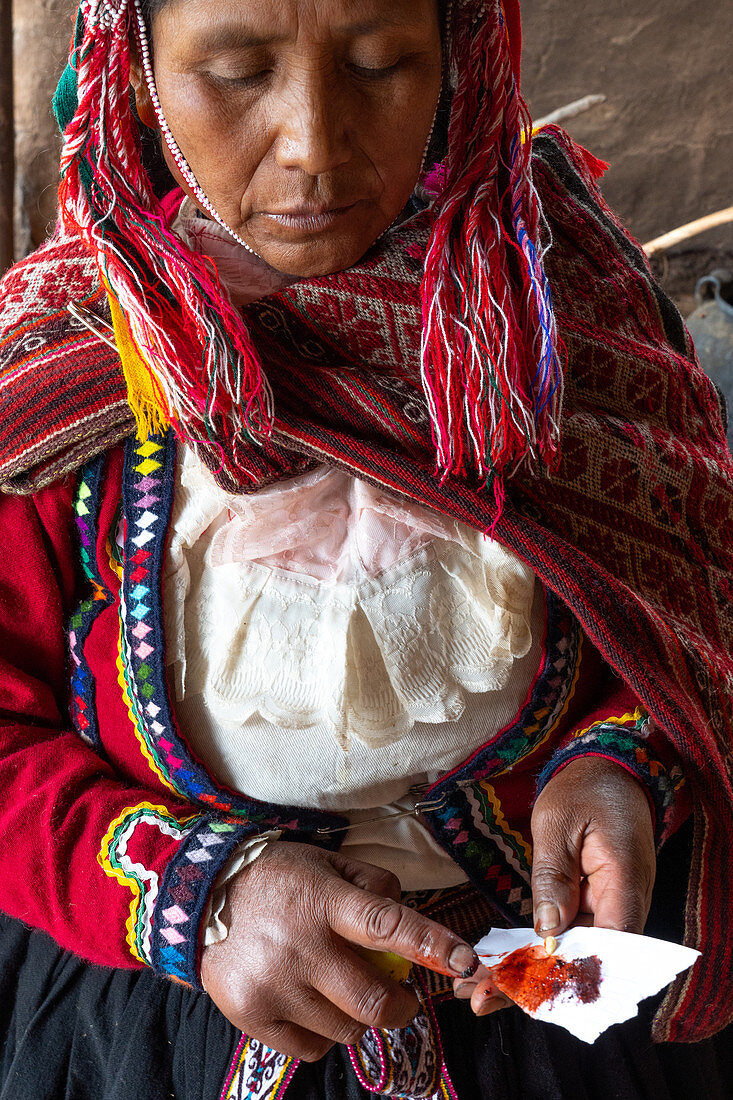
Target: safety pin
<point x="95" y="324"/>
<point x="423" y="807"/>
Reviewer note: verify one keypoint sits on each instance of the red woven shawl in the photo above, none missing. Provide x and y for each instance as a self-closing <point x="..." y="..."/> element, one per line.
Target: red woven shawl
<point x="631" y="530"/>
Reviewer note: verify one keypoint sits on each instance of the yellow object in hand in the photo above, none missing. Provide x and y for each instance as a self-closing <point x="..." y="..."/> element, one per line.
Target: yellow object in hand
<point x="394" y="966"/>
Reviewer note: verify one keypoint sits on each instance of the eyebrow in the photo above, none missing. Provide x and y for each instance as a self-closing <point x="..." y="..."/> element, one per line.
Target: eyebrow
<point x="239" y="37"/>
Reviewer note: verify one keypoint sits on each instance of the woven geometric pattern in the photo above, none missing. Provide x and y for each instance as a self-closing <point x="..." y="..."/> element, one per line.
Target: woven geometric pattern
<point x="402" y="1062"/>
<point x="464" y="821"/>
<point x="632" y="530"/>
<point x="388" y="1063"/>
<point x="36" y="327"/>
<point x="257" y="1072"/>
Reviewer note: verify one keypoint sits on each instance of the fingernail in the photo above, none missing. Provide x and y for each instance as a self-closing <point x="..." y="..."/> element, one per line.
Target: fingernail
<point x="464" y="990"/>
<point x="463" y="960"/>
<point x="547" y="917"/>
<point x="491" y="1004"/>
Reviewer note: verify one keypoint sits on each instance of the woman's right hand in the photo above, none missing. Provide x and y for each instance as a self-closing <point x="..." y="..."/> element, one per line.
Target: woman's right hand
<point x="287" y="974"/>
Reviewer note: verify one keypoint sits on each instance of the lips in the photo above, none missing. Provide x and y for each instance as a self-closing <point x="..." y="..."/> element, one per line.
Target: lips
<point x="307" y="218"/>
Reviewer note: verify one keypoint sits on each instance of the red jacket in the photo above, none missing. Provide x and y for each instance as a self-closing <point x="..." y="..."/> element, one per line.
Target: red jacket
<point x="111" y="833"/>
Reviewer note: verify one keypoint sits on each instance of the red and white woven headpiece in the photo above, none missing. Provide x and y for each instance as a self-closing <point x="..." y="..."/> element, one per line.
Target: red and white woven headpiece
<point x="490" y="364"/>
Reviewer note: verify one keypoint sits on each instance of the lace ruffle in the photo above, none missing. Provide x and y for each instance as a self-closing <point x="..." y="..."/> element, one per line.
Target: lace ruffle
<point x="323" y="601"/>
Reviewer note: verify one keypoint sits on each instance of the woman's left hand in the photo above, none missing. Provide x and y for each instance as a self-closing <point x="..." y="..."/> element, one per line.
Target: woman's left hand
<point x="593" y="860"/>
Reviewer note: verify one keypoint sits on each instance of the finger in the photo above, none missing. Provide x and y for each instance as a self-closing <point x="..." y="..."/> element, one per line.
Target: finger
<point x="619" y="896"/>
<point x="384" y="924"/>
<point x="486" y="998"/>
<point x="295" y="1041"/>
<point x="361" y="991"/>
<point x="464" y="987"/>
<point x="491" y="1004"/>
<point x="555" y="874"/>
<point x="320" y="1016"/>
<point x="375" y="880"/>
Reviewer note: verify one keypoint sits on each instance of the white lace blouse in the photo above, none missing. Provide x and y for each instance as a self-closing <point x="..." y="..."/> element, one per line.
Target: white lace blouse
<point x="334" y="646"/>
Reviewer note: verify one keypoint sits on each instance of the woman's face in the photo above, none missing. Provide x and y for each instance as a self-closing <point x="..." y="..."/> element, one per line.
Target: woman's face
<point x="304" y="121"/>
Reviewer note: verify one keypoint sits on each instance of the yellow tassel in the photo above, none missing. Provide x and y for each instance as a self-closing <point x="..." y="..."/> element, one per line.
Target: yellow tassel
<point x="143" y="397"/>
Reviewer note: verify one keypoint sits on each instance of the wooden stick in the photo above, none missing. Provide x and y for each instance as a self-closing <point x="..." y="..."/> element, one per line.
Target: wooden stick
<point x="667" y="240"/>
<point x="7" y="136"/>
<point x="570" y="110"/>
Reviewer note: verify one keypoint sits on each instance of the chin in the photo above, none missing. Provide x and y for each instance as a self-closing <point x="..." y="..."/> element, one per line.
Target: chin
<point x="312" y="258"/>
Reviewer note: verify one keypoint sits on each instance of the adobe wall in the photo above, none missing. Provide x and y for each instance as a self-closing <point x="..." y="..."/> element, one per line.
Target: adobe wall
<point x="41" y="32"/>
<point x="666" y="69"/>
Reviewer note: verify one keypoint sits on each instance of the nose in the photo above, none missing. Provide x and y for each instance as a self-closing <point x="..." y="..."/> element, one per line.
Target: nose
<point x="313" y="134"/>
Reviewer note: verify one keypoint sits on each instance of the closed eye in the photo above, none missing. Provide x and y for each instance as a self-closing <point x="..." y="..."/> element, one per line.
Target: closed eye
<point x="248" y="80"/>
<point x="369" y="72"/>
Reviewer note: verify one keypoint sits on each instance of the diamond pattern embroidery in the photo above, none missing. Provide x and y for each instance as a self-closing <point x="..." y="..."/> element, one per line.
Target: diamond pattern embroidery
<point x="147" y="500"/>
<point x="83" y="711"/>
<point x="178" y="909"/>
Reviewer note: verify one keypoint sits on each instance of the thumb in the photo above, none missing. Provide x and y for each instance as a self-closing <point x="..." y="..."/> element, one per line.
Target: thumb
<point x="555" y="874"/>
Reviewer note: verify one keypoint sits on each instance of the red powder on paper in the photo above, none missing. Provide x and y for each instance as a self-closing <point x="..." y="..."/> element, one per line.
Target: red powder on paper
<point x="531" y="977"/>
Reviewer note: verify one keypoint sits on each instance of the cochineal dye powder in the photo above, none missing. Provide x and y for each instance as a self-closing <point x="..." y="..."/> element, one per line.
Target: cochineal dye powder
<point x="531" y="977"/>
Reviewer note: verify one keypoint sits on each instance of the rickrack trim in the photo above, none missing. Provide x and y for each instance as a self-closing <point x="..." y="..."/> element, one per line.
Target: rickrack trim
<point x="143" y="882"/>
<point x="625" y="740"/>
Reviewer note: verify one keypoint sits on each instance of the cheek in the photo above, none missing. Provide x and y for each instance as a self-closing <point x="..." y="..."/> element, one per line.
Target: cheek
<point x="396" y="150"/>
<point x="400" y="127"/>
<point x="401" y="118"/>
<point x="211" y="135"/>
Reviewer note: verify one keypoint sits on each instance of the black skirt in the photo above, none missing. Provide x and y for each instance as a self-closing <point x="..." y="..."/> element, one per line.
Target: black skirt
<point x="73" y="1031"/>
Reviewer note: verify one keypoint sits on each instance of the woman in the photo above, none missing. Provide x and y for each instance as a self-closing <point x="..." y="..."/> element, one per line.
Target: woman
<point x="342" y="365"/>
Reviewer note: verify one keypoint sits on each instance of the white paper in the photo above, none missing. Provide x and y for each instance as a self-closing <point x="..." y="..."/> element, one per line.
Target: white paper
<point x="632" y="968"/>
